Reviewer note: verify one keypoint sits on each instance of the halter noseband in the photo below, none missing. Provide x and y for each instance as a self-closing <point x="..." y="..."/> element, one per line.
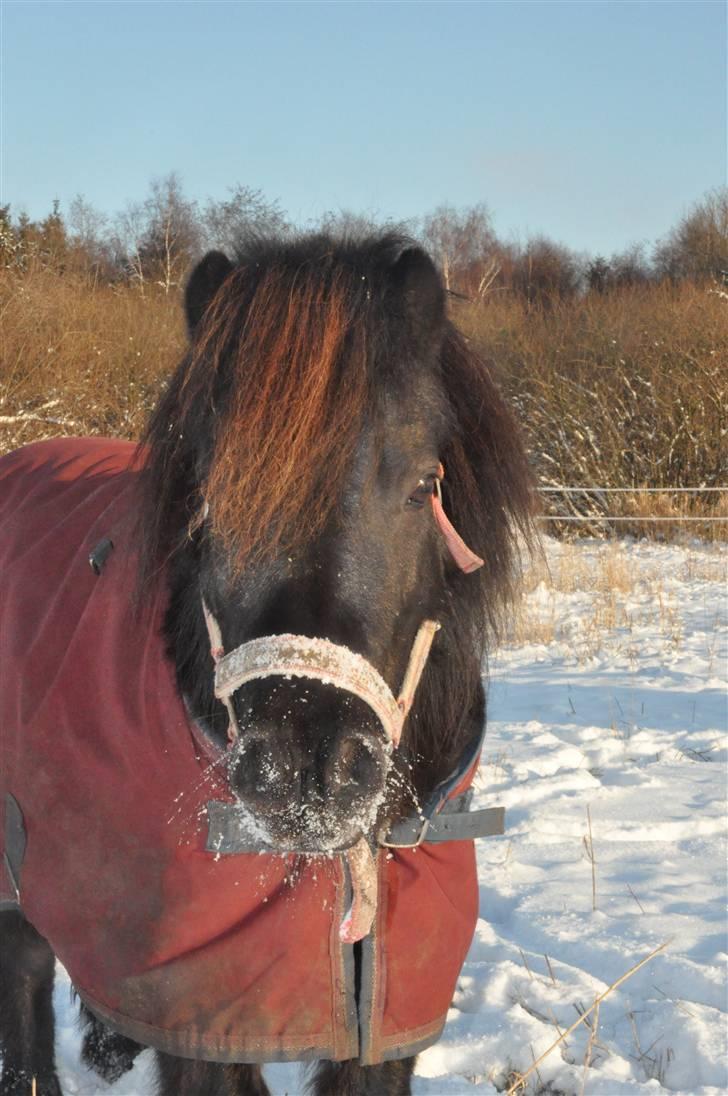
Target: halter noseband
<point x="321" y="660"/>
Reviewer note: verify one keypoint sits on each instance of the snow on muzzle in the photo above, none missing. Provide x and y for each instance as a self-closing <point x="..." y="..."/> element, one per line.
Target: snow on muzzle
<point x="310" y="763"/>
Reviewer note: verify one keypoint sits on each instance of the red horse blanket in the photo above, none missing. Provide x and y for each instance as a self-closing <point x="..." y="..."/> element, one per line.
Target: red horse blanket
<point x="104" y="783"/>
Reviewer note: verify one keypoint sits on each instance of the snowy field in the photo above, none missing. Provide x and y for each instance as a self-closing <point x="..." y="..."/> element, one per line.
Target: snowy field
<point x="610" y="697"/>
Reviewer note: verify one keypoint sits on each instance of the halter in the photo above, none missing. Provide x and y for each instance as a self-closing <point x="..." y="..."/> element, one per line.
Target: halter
<point x="333" y="664"/>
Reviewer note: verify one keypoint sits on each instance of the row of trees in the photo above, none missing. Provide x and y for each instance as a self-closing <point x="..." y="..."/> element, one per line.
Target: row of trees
<point x="474" y="261"/>
<point x="153" y="242"/>
<point x="150" y="243"/>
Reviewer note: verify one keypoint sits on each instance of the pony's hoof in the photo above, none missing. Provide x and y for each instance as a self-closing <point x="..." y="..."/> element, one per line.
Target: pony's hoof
<point x="107" y="1053"/>
<point x="18" y="1083"/>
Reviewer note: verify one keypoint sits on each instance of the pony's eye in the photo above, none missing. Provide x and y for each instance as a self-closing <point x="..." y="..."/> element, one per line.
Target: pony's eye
<point x="424" y="489"/>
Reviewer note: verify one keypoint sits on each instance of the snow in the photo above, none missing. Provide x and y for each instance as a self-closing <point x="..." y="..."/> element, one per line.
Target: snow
<point x="610" y="695"/>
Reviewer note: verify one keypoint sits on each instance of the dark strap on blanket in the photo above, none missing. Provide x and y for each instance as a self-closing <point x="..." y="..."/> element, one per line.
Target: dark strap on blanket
<point x="446" y="826"/>
<point x="231" y="831"/>
<point x="15" y="841"/>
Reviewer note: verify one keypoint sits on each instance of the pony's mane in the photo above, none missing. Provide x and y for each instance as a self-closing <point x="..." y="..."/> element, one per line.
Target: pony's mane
<point x="488" y="495"/>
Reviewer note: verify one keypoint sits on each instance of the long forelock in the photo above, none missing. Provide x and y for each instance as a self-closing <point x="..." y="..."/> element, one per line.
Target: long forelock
<point x="294" y="361"/>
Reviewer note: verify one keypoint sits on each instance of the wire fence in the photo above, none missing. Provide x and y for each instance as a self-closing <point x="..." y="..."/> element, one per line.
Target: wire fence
<point x="633" y="518"/>
<point x="596" y="492"/>
<point x="630" y="490"/>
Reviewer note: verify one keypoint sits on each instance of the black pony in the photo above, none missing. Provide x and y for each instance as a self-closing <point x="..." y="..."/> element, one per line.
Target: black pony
<point x="288" y="481"/>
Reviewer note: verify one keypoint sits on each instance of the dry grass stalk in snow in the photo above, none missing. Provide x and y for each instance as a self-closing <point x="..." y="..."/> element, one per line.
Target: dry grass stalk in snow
<point x="593" y="1027"/>
<point x="591" y="857"/>
<point x="528" y="969"/>
<point x="642" y="908"/>
<point x="655" y="1066"/>
<point x="519" y="1084"/>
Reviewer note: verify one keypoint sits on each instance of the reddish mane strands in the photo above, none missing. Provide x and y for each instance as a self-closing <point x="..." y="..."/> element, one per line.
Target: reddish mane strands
<point x="295" y="361"/>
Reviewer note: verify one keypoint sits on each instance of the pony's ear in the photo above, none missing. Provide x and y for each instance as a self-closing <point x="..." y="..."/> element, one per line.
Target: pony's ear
<point x="416" y="278"/>
<point x="203" y="284"/>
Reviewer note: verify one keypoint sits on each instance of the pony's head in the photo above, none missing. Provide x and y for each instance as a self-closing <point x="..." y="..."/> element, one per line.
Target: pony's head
<point x="297" y="463"/>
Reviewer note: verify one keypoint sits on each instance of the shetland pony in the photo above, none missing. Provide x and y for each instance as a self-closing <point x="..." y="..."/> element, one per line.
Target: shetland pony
<point x="303" y="476"/>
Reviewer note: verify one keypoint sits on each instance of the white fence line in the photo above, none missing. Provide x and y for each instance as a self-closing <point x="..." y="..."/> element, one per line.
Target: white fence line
<point x="629" y="490"/>
<point x="611" y="517"/>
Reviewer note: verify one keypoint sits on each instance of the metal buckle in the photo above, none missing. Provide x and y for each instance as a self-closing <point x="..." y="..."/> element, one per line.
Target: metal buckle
<point x="408" y="844"/>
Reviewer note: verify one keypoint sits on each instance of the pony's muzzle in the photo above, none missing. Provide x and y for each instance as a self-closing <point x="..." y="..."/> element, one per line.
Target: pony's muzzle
<point x="310" y="790"/>
<point x="262" y="769"/>
<point x="325" y="786"/>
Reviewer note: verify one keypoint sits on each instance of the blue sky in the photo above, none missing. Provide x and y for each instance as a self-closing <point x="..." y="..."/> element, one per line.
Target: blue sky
<point x="595" y="123"/>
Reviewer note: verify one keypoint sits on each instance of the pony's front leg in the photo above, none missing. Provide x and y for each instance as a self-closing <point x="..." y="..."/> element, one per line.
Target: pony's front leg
<point x="27" y="1025"/>
<point x="184" y="1077"/>
<point x="351" y="1079"/>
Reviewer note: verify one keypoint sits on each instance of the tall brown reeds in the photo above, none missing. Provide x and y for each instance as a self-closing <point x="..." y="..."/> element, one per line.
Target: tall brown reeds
<point x="622" y="389"/>
<point x="627" y="388"/>
<point x="80" y="358"/>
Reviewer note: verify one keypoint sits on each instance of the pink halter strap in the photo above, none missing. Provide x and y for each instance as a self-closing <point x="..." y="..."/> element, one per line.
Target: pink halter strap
<point x="465" y="558"/>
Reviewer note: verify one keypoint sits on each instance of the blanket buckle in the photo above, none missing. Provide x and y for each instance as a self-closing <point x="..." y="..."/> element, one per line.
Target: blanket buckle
<point x="419" y="836"/>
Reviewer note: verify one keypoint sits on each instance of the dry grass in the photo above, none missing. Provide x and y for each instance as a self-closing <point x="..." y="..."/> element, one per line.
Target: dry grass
<point x="79" y="359"/>
<point x="518" y="1081"/>
<point x="588" y="841"/>
<point x="615" y="591"/>
<point x="622" y="390"/>
<point x="628" y="389"/>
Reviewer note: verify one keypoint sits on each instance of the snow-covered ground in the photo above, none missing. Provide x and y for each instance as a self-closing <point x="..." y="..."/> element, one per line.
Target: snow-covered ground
<point x="610" y="696"/>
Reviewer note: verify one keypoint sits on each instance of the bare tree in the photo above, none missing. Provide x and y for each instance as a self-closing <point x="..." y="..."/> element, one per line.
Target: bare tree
<point x="228" y="223"/>
<point x="89" y="237"/>
<point x="345" y="222"/>
<point x="599" y="275"/>
<point x="464" y="244"/>
<point x="545" y="271"/>
<point x="698" y="247"/>
<point x="630" y="267"/>
<point x="129" y="231"/>
<point x="173" y="236"/>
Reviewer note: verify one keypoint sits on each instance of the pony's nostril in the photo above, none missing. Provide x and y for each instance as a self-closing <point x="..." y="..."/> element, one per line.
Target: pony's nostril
<point x="359" y="765"/>
<point x="256" y="771"/>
